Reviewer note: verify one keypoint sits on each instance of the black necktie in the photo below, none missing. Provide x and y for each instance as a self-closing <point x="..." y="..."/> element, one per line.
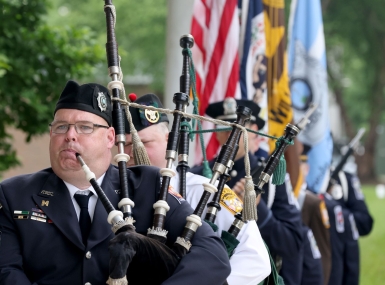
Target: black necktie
<point x="84" y="217"/>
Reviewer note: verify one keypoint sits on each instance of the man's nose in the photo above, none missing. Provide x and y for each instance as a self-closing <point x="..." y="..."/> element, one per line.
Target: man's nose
<point x="71" y="134"/>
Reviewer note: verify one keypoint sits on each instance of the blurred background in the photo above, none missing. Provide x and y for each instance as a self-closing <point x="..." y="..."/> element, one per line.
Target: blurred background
<point x="44" y="43"/>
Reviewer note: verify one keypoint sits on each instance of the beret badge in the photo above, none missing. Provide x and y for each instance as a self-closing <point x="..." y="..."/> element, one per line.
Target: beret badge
<point x="102" y="101"/>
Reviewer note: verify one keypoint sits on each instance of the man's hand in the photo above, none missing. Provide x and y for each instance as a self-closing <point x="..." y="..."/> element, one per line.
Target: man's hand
<point x="239" y="189"/>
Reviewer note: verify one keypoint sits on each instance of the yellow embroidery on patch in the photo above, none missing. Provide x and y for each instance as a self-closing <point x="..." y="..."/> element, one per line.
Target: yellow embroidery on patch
<point x="231" y="201"/>
<point x="324" y="214"/>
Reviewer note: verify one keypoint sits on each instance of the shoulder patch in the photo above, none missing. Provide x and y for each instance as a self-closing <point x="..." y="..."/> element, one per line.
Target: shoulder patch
<point x="353" y="225"/>
<point x="340" y="223"/>
<point x="230" y="201"/>
<point x="357" y="188"/>
<point x="175" y="194"/>
<point x="313" y="245"/>
<point x="324" y="214"/>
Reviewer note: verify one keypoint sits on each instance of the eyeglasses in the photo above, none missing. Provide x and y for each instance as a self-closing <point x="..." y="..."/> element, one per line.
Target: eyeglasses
<point x="82" y="127"/>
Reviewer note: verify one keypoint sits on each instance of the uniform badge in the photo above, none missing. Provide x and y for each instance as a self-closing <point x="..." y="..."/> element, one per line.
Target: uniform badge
<point x="324" y="214"/>
<point x="357" y="188"/>
<point x="231" y="201"/>
<point x="229" y="106"/>
<point x="47" y="193"/>
<point x="340" y="224"/>
<point x="151" y="116"/>
<point x="353" y="225"/>
<point x="313" y="245"/>
<point x="44" y="203"/>
<point x="102" y="101"/>
<point x="175" y="194"/>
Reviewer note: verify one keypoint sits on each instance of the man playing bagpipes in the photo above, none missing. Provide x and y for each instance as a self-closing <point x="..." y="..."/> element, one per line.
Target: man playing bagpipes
<point x="53" y="227"/>
<point x="250" y="261"/>
<point x="279" y="220"/>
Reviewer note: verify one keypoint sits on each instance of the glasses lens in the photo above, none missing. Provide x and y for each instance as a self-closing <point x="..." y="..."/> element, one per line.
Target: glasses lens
<point x="84" y="127"/>
<point x="59" y="128"/>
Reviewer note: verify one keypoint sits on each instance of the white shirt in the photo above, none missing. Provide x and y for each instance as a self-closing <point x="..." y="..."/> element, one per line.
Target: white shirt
<point x="93" y="199"/>
<point x="250" y="263"/>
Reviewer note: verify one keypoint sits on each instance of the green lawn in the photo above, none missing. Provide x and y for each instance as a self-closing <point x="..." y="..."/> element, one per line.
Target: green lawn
<point x="372" y="247"/>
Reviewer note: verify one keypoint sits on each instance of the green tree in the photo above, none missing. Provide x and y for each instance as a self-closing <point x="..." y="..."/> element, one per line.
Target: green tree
<point x="355" y="34"/>
<point x="35" y="62"/>
<point x="140" y="32"/>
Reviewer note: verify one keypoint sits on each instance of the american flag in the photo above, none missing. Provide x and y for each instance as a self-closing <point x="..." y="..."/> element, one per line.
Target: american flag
<point x="215" y="28"/>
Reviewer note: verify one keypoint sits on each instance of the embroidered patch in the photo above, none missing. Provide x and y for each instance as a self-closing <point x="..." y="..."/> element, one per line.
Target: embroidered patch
<point x="313" y="245"/>
<point x="175" y="194"/>
<point x="324" y="214"/>
<point x="340" y="225"/>
<point x="357" y="188"/>
<point x="353" y="225"/>
<point x="230" y="201"/>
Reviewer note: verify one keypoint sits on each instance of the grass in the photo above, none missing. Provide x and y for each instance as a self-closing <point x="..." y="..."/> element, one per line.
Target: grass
<point x="372" y="247"/>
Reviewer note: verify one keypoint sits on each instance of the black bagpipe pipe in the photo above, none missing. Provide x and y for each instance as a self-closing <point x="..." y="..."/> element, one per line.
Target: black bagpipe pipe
<point x="223" y="162"/>
<point x="118" y="115"/>
<point x="351" y="148"/>
<point x="265" y="171"/>
<point x="186" y="42"/>
<point x="161" y="207"/>
<point x="291" y="131"/>
<point x="214" y="206"/>
<point x="131" y="254"/>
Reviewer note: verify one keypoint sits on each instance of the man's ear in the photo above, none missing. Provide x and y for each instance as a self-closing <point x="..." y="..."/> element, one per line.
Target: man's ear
<point x="111" y="137"/>
<point x="254" y="127"/>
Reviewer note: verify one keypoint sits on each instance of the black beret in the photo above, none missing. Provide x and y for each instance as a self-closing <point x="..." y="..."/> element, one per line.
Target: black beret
<point x="226" y="111"/>
<point x="91" y="97"/>
<point x="143" y="118"/>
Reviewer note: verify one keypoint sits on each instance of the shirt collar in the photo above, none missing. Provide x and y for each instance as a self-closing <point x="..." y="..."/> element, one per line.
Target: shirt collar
<point x="73" y="189"/>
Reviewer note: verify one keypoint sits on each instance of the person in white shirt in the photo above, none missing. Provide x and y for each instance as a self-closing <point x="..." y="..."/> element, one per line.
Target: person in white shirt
<point x="250" y="263"/>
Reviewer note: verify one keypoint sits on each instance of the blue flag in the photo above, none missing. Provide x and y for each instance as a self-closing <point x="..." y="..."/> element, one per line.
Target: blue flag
<point x="253" y="62"/>
<point x="308" y="84"/>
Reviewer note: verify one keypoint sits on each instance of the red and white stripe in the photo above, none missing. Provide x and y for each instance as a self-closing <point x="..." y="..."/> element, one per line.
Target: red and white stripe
<point x="215" y="27"/>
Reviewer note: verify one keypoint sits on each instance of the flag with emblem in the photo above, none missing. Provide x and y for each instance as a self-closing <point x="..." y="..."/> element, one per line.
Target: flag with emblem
<point x="252" y="48"/>
<point x="215" y="28"/>
<point x="279" y="102"/>
<point x="308" y="77"/>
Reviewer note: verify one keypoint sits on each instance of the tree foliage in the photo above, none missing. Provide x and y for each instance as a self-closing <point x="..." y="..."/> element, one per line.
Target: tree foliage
<point x="36" y="60"/>
<point x="355" y="36"/>
<point x="140" y="32"/>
